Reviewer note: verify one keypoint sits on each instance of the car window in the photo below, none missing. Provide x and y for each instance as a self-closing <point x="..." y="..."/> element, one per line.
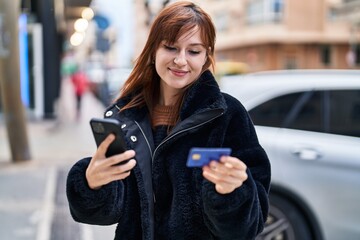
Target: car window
<point x="301" y="110"/>
<point x="307" y="113"/>
<point x="336" y="112"/>
<point x="345" y="112"/>
<point x="273" y="112"/>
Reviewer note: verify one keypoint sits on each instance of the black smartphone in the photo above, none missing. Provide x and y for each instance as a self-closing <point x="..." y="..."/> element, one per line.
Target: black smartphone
<point x="101" y="128"/>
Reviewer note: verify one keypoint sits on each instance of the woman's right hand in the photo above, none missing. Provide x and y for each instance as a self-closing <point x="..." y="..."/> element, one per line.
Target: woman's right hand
<point x="102" y="170"/>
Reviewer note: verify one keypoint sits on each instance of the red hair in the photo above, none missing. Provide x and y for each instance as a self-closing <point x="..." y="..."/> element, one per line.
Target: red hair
<point x="175" y="20"/>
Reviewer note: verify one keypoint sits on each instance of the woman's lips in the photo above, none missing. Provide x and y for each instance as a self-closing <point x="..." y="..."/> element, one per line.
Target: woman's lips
<point x="178" y="73"/>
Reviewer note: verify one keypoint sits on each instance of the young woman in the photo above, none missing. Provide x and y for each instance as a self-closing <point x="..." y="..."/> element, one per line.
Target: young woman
<point x="171" y="103"/>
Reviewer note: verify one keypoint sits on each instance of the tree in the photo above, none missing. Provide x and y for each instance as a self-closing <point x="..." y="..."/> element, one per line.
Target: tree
<point x="14" y="112"/>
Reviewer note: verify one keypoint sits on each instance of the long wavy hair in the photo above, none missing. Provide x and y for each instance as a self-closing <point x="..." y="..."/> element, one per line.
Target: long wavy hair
<point x="175" y="20"/>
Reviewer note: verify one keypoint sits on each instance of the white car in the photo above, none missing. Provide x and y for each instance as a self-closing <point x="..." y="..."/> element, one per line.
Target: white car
<point x="308" y="121"/>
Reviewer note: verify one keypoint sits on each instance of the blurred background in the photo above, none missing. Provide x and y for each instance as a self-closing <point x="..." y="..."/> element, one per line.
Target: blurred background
<point x="62" y="62"/>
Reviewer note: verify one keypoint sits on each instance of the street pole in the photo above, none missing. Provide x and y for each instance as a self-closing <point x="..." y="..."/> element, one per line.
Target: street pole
<point x="13" y="109"/>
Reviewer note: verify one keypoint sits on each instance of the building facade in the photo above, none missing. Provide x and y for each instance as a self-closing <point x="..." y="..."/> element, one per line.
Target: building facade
<point x="281" y="34"/>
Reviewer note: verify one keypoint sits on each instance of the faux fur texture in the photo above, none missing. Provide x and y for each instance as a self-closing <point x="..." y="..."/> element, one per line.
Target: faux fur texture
<point x="186" y="205"/>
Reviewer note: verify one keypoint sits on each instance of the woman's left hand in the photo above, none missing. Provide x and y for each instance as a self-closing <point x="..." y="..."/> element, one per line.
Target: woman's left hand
<point x="227" y="174"/>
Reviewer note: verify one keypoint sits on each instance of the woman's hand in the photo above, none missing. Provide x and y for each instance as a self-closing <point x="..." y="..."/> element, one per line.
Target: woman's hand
<point x="227" y="174"/>
<point x="102" y="170"/>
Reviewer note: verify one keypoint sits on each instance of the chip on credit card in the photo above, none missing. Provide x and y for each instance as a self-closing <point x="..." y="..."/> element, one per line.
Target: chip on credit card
<point x="199" y="157"/>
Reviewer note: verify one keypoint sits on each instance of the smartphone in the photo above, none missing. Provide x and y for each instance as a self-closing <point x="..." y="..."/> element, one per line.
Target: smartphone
<point x="199" y="157"/>
<point x="101" y="128"/>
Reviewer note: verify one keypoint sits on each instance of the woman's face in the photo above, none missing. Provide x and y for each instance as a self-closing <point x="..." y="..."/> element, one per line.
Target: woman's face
<point x="181" y="63"/>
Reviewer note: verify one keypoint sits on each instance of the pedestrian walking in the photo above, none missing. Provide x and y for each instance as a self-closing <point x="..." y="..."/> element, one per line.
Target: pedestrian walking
<point x="80" y="83"/>
<point x="170" y="104"/>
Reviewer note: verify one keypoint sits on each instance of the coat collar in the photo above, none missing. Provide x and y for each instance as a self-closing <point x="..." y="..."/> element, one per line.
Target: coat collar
<point x="203" y="95"/>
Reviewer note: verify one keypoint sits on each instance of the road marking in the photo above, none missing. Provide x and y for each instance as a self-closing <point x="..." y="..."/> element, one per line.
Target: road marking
<point x="87" y="232"/>
<point x="44" y="227"/>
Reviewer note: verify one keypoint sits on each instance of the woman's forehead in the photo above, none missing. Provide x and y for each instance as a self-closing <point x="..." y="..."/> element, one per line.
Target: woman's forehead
<point x="193" y="35"/>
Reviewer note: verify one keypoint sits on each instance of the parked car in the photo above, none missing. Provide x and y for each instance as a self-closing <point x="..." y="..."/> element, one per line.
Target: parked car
<point x="308" y="121"/>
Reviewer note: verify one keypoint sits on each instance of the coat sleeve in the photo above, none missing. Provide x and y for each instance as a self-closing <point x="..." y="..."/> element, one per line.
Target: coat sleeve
<point x="242" y="213"/>
<point x="101" y="207"/>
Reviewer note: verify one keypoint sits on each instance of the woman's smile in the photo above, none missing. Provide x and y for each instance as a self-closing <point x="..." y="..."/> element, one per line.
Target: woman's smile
<point x="178" y="73"/>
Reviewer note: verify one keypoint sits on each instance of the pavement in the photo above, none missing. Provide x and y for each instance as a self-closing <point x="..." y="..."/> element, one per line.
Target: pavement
<point x="33" y="204"/>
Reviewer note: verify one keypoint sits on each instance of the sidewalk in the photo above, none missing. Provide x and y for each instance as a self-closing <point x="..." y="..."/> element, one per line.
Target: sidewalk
<point x="33" y="204"/>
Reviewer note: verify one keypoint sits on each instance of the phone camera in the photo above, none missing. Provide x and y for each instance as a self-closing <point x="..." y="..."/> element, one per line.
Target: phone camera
<point x="98" y="128"/>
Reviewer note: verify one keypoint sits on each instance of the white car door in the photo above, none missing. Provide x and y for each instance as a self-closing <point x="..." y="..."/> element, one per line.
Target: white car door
<point x="324" y="170"/>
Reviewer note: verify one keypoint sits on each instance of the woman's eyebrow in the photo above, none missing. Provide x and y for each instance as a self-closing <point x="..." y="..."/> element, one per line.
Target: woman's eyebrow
<point x="191" y="44"/>
<point x="197" y="44"/>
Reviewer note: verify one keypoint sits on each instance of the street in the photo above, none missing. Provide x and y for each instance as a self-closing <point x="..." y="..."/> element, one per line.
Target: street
<point x="33" y="204"/>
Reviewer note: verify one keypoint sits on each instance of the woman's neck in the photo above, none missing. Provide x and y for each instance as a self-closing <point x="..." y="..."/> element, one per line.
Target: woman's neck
<point x="168" y="96"/>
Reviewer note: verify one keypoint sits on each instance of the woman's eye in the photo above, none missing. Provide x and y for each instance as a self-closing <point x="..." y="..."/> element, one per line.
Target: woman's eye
<point x="193" y="52"/>
<point x="169" y="48"/>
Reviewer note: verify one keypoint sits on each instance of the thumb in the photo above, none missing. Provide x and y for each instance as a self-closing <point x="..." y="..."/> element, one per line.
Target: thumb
<point x="105" y="145"/>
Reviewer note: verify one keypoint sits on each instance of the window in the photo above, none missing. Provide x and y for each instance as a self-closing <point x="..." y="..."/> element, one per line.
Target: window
<point x="302" y="110"/>
<point x="277" y="8"/>
<point x="255" y="12"/>
<point x="325" y="54"/>
<point x="221" y="21"/>
<point x="265" y="11"/>
<point x="273" y="112"/>
<point x="345" y="112"/>
<point x="335" y="112"/>
<point x="290" y="62"/>
<point x="307" y="114"/>
<point x="357" y="54"/>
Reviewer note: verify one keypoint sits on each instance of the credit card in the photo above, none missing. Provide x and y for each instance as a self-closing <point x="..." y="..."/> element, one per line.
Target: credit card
<point x="199" y="157"/>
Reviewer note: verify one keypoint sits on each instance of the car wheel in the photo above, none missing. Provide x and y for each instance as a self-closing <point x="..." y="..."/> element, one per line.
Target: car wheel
<point x="284" y="222"/>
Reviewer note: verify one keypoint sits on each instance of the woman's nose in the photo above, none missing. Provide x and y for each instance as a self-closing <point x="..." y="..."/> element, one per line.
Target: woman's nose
<point x="180" y="59"/>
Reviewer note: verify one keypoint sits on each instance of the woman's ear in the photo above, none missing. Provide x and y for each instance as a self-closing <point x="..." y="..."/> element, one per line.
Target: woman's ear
<point x="207" y="54"/>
